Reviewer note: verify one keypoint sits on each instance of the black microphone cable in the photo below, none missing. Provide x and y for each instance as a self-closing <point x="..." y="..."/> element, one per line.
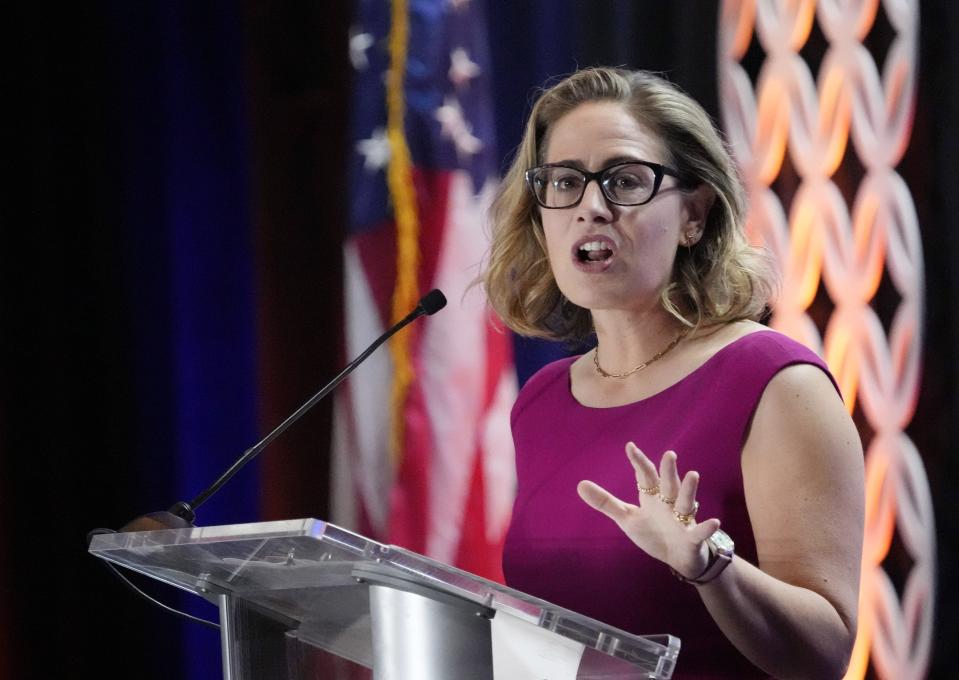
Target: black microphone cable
<point x="142" y="593"/>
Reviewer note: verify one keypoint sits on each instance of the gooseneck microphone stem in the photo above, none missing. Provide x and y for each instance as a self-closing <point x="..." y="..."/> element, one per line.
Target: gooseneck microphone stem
<point x="182" y="514"/>
<point x="431" y="303"/>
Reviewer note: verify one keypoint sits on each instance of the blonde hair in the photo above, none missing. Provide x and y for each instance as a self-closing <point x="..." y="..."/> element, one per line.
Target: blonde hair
<point x="719" y="279"/>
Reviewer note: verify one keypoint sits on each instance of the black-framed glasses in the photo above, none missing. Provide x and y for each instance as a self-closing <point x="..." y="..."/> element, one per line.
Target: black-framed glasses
<point x="629" y="183"/>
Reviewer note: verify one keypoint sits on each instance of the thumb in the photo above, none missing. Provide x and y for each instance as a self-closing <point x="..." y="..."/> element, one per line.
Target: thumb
<point x="704" y="529"/>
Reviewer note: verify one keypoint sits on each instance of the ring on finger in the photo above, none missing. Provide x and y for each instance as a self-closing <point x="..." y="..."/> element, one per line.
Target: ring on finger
<point x="666" y="500"/>
<point x="686" y="518"/>
<point x="648" y="490"/>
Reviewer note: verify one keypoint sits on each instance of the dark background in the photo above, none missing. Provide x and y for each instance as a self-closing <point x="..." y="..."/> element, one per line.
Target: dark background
<point x="170" y="277"/>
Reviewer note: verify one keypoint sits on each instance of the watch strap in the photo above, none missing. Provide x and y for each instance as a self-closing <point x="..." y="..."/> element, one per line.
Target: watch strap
<point x="718" y="561"/>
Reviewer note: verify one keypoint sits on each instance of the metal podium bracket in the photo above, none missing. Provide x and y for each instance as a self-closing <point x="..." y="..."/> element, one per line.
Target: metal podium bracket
<point x="420" y="632"/>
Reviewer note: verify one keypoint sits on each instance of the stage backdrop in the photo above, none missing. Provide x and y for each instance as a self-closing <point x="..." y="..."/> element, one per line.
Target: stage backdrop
<point x="819" y="134"/>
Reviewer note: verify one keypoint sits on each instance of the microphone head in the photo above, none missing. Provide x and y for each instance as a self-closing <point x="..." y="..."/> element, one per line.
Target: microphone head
<point x="432" y="302"/>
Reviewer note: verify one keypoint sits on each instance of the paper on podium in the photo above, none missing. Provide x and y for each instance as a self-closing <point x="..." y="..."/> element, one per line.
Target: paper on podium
<point x="524" y="651"/>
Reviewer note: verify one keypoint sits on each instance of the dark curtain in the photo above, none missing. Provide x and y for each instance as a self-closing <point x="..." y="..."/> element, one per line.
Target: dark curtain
<point x="299" y="83"/>
<point x="171" y="278"/>
<point x="70" y="385"/>
<point x="930" y="171"/>
<point x="129" y="329"/>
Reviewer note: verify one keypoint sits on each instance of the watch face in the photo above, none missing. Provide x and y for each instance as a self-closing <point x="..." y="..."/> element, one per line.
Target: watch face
<point x="722" y="542"/>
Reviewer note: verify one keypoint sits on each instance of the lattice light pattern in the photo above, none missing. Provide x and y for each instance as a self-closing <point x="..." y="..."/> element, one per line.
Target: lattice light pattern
<point x="823" y="240"/>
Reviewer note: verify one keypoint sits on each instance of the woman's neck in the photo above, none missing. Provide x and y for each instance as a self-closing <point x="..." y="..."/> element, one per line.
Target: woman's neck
<point x="629" y="338"/>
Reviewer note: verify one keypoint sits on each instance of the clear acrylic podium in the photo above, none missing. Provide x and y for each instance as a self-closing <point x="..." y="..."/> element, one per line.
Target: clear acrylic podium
<point x="296" y="592"/>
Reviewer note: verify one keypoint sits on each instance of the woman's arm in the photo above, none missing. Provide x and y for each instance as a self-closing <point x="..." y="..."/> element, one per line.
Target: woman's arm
<point x="804" y="485"/>
<point x="795" y="615"/>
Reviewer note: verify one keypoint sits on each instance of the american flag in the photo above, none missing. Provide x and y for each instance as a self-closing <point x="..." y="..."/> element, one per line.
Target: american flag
<point x="428" y="465"/>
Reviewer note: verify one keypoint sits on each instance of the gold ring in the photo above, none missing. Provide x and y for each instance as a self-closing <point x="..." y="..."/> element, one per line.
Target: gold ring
<point x="687" y="518"/>
<point x="667" y="501"/>
<point x="648" y="490"/>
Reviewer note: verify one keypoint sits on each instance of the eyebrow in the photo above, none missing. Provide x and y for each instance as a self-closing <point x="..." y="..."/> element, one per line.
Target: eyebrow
<point x="576" y="163"/>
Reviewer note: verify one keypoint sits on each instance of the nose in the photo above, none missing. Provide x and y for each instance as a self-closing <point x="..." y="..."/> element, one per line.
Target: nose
<point x="593" y="206"/>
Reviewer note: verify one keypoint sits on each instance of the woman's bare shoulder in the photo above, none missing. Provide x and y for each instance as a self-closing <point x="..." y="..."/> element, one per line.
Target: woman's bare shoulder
<point x="707" y="341"/>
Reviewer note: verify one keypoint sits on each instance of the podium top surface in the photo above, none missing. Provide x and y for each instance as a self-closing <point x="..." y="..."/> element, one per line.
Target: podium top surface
<point x="287" y="566"/>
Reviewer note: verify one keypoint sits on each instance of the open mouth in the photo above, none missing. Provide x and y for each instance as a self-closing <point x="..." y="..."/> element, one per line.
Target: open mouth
<point x="594" y="251"/>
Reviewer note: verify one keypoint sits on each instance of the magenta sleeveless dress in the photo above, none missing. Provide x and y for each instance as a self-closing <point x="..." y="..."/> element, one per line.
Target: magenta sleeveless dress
<point x="562" y="551"/>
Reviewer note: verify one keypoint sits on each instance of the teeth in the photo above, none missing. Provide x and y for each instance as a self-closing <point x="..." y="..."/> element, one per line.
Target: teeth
<point x="594" y="245"/>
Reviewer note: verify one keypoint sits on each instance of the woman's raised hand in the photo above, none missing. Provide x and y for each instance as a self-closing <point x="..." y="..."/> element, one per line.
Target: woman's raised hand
<point x="663" y="523"/>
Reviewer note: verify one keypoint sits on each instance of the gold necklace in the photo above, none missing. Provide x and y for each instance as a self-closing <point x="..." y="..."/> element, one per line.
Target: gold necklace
<point x="660" y="355"/>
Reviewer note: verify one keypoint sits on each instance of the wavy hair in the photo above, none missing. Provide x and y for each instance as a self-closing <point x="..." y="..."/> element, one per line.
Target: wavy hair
<point x="722" y="278"/>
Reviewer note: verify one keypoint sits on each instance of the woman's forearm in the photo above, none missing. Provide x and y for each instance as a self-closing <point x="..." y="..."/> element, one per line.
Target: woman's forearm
<point x="788" y="631"/>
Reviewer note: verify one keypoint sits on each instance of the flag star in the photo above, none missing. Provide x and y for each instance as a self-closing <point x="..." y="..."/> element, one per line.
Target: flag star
<point x="462" y="68"/>
<point x="359" y="43"/>
<point x="375" y="151"/>
<point x="455" y="127"/>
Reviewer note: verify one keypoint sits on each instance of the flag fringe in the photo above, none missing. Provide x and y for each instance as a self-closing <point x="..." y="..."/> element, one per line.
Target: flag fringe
<point x="403" y="196"/>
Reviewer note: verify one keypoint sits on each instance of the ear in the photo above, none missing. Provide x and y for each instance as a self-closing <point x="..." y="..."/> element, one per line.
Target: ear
<point x="698" y="203"/>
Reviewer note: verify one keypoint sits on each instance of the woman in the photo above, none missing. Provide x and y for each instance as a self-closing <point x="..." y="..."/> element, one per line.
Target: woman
<point x="622" y="215"/>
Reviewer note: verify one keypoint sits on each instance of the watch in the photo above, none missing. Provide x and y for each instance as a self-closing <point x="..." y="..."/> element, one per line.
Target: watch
<point x="721" y="551"/>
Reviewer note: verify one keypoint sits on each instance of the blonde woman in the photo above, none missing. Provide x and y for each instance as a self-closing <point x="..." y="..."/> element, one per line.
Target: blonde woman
<point x="696" y="473"/>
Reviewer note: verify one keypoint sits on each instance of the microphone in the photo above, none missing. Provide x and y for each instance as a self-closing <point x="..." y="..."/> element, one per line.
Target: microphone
<point x="182" y="514"/>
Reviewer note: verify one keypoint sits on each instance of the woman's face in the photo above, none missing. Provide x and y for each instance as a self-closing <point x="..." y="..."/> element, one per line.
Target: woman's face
<point x="607" y="256"/>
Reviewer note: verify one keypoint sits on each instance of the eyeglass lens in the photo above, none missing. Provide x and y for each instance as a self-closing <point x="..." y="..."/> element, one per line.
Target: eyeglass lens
<point x="561" y="187"/>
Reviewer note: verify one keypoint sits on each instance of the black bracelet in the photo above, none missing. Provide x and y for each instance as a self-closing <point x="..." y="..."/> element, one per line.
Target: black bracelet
<point x="695" y="581"/>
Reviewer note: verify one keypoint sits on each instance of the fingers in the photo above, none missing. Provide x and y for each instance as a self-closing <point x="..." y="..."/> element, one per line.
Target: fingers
<point x="645" y="470"/>
<point x="681" y="495"/>
<point x="668" y="476"/>
<point x="686" y="496"/>
<point x="600" y="499"/>
<point x="647" y="478"/>
<point x="663" y="484"/>
<point x="682" y="510"/>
